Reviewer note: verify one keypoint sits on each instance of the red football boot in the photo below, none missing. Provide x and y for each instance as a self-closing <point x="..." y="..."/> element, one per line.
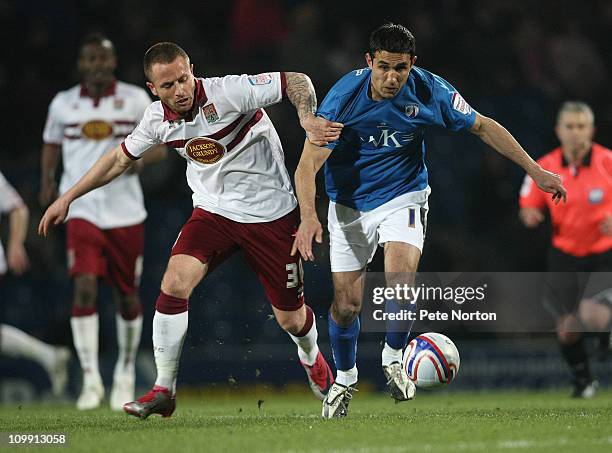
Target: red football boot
<point x="320" y="376"/>
<point x="157" y="401"/>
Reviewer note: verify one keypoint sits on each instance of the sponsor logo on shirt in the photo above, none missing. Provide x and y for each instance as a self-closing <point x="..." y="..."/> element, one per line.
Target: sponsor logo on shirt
<point x="97" y="130"/>
<point x="210" y="113"/>
<point x="396" y="139"/>
<point x="596" y="196"/>
<point x="460" y="105"/>
<point x="204" y="150"/>
<point x="260" y="79"/>
<point x="412" y="110"/>
<point x="118" y="103"/>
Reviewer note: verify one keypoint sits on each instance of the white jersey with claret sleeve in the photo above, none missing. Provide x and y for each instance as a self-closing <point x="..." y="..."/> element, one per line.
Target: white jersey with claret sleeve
<point x="235" y="161"/>
<point x="86" y="129"/>
<point x="9" y="200"/>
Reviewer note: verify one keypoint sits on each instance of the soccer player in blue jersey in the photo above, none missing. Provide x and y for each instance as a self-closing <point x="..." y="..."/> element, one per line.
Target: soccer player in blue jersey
<point x="376" y="180"/>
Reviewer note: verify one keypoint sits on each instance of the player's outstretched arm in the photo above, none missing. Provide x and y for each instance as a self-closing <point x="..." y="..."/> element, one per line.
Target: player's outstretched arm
<point x="497" y="137"/>
<point x="302" y="95"/>
<point x="107" y="168"/>
<point x="313" y="158"/>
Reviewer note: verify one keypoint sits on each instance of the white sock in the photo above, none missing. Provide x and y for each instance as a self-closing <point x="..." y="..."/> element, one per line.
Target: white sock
<point x="17" y="343"/>
<point x="348" y="377"/>
<point x="390" y="355"/>
<point x="85" y="338"/>
<point x="307" y="345"/>
<point x="128" y="340"/>
<point x="168" y="335"/>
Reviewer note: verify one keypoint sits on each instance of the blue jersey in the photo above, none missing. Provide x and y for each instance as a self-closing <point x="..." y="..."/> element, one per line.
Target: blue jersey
<point x="381" y="152"/>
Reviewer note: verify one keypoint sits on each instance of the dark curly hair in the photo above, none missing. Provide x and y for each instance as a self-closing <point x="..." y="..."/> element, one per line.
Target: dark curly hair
<point x="393" y="38"/>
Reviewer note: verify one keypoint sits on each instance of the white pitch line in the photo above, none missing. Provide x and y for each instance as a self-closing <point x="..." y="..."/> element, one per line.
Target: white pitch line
<point x="461" y="446"/>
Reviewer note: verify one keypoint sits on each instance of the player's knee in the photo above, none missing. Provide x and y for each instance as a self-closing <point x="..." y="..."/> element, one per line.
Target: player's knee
<point x="85" y="291"/>
<point x="568" y="330"/>
<point x="291" y="324"/>
<point x="128" y="305"/>
<point x="176" y="285"/>
<point x="347" y="299"/>
<point x="128" y="300"/>
<point x="182" y="276"/>
<point x="567" y="336"/>
<point x="594" y="316"/>
<point x="346" y="311"/>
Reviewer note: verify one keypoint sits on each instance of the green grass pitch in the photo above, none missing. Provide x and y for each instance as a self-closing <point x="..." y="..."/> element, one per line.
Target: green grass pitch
<point x="286" y="422"/>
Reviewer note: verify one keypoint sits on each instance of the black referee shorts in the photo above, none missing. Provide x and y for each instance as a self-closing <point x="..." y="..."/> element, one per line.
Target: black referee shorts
<point x="571" y="279"/>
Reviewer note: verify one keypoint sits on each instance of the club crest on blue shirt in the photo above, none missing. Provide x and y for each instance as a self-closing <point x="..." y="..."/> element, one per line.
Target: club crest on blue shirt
<point x="210" y="113"/>
<point x="411" y="110"/>
<point x="596" y="196"/>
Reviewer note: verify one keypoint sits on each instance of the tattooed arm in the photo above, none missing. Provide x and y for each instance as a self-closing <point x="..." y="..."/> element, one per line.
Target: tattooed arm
<point x="302" y="95"/>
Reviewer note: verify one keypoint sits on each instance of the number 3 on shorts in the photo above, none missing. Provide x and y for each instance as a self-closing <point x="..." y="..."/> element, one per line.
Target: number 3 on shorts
<point x="295" y="274"/>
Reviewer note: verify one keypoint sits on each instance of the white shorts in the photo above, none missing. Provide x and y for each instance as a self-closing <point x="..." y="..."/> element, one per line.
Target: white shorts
<point x="354" y="235"/>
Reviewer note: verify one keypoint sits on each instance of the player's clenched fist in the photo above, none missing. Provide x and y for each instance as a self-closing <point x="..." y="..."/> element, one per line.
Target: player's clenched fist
<point x="54" y="215"/>
<point x="308" y="229"/>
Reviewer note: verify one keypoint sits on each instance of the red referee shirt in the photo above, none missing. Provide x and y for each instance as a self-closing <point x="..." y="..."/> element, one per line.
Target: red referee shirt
<point x="576" y="224"/>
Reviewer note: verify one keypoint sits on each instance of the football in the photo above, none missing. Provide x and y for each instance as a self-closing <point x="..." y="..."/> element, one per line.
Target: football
<point x="431" y="360"/>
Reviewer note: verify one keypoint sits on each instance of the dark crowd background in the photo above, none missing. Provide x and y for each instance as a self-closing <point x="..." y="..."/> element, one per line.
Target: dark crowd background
<point x="515" y="61"/>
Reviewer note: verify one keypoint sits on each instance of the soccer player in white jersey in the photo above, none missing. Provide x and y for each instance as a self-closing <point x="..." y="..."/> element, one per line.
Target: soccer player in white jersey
<point x="376" y="180"/>
<point x="242" y="197"/>
<point x="104" y="228"/>
<point x="15" y="342"/>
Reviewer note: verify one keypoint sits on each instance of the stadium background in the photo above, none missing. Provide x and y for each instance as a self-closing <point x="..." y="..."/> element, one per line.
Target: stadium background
<point x="514" y="61"/>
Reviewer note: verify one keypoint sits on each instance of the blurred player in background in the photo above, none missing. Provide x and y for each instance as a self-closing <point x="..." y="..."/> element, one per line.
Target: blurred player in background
<point x="105" y="229"/>
<point x="376" y="180"/>
<point x="14" y="342"/>
<point x="242" y="197"/>
<point x="581" y="238"/>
